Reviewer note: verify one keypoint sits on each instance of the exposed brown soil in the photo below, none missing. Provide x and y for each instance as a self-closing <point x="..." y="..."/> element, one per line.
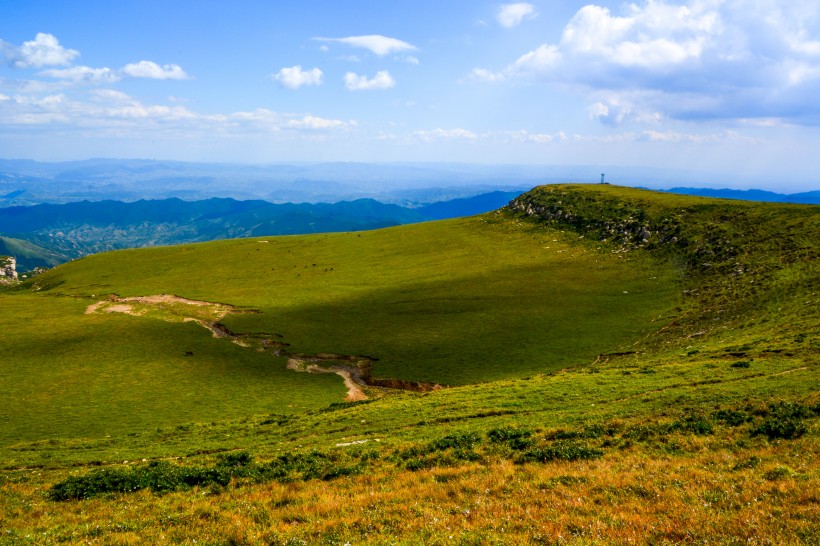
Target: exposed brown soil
<point x="355" y="372"/>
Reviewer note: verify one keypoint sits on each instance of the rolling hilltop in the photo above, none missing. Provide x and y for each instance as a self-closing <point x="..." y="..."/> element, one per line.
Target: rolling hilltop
<point x="589" y="364"/>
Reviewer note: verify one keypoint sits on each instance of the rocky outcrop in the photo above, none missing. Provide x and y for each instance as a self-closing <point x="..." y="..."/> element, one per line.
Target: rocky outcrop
<point x="8" y="267"/>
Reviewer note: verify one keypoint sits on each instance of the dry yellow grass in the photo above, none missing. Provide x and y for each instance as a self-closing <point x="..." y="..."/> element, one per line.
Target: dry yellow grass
<point x="714" y="493"/>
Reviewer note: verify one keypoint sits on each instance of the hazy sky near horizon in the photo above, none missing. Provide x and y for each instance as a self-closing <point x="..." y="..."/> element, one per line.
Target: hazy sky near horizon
<point x="729" y="86"/>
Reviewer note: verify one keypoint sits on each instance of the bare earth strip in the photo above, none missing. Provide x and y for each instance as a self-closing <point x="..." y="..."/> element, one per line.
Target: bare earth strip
<point x="217" y="311"/>
<point x="350" y="376"/>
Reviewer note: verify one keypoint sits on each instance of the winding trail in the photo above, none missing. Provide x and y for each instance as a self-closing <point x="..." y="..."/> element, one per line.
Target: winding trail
<point x="207" y="314"/>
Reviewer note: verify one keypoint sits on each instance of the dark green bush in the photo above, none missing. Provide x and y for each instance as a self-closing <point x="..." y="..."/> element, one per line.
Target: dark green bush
<point x="516" y="439"/>
<point x="784" y="420"/>
<point x="697" y="424"/>
<point x="162" y="476"/>
<point x="505" y="434"/>
<point x="464" y="441"/>
<point x="158" y="476"/>
<point x="732" y="418"/>
<point x="239" y="459"/>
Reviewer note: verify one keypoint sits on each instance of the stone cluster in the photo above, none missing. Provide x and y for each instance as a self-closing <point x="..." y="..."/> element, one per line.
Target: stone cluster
<point x="8" y="267"/>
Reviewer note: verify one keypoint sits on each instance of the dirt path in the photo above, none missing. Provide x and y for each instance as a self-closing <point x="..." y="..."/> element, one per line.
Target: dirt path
<point x="351" y="376"/>
<point x="207" y="314"/>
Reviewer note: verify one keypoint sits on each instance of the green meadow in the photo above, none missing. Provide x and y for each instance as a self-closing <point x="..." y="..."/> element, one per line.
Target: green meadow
<point x="618" y="365"/>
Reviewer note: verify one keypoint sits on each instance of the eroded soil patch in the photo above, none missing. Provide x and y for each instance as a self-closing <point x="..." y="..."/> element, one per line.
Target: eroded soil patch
<point x="207" y="314"/>
<point x="355" y="371"/>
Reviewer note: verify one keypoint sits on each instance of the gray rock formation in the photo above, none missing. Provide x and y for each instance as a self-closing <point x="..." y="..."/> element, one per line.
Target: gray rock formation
<point x="8" y="267"/>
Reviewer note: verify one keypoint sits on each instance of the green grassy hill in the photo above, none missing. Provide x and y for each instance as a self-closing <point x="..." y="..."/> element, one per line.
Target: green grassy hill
<point x="30" y="255"/>
<point x="623" y="365"/>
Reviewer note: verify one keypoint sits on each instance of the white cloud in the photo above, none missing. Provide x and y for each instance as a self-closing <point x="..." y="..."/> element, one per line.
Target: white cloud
<point x="541" y="59"/>
<point x="151" y="70"/>
<point x="112" y="110"/>
<point x="44" y="50"/>
<point x="294" y="77"/>
<point x="484" y="75"/>
<point x="535" y="62"/>
<point x="522" y="136"/>
<point x="618" y="110"/>
<point x="684" y="59"/>
<point x="313" y="122"/>
<point x="695" y="138"/>
<point x="382" y="80"/>
<point x="658" y="34"/>
<point x="83" y="74"/>
<point x="512" y="15"/>
<point x="378" y="44"/>
<point x="111" y="95"/>
<point x="444" y="134"/>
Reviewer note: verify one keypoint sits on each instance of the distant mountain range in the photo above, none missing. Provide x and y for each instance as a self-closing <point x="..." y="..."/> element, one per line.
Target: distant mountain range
<point x="25" y="182"/>
<point x="47" y="234"/>
<point x="806" y="198"/>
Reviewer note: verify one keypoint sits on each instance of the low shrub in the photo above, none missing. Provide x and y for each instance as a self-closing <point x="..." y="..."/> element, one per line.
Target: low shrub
<point x="505" y="434"/>
<point x="158" y="476"/>
<point x="462" y="441"/>
<point x="732" y="418"/>
<point x="515" y="439"/>
<point x="697" y="424"/>
<point x="163" y="477"/>
<point x="784" y="420"/>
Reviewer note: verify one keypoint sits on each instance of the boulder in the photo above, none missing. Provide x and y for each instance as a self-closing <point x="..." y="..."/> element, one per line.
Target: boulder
<point x="8" y="267"/>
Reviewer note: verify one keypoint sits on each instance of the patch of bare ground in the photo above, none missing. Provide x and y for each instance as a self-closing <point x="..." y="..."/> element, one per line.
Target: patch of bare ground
<point x="355" y="372"/>
<point x="351" y="376"/>
<point x="117" y="304"/>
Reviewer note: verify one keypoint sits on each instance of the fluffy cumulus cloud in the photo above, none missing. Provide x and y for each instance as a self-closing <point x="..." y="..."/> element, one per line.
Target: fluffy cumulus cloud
<point x="382" y="80"/>
<point x="376" y="43"/>
<point x="512" y="15"/>
<point x="43" y="50"/>
<point x="151" y="70"/>
<point x="685" y="59"/>
<point x="57" y="95"/>
<point x="294" y="77"/>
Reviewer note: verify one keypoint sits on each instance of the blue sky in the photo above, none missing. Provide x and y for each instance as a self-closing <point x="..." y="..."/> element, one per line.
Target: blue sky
<point x="729" y="86"/>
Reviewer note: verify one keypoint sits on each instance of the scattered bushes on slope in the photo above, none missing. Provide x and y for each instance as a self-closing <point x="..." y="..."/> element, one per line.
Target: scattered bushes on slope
<point x="782" y="420"/>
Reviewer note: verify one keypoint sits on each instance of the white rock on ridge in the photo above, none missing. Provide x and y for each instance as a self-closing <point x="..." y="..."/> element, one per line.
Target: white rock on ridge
<point x="8" y="267"/>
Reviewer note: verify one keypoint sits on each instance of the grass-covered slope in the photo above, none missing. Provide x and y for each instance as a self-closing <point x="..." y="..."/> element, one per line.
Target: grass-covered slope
<point x="697" y="421"/>
<point x="450" y="302"/>
<point x="30" y="255"/>
<point x="446" y="303"/>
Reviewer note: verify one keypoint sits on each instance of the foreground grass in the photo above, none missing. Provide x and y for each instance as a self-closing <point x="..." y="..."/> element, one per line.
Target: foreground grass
<point x="653" y="482"/>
